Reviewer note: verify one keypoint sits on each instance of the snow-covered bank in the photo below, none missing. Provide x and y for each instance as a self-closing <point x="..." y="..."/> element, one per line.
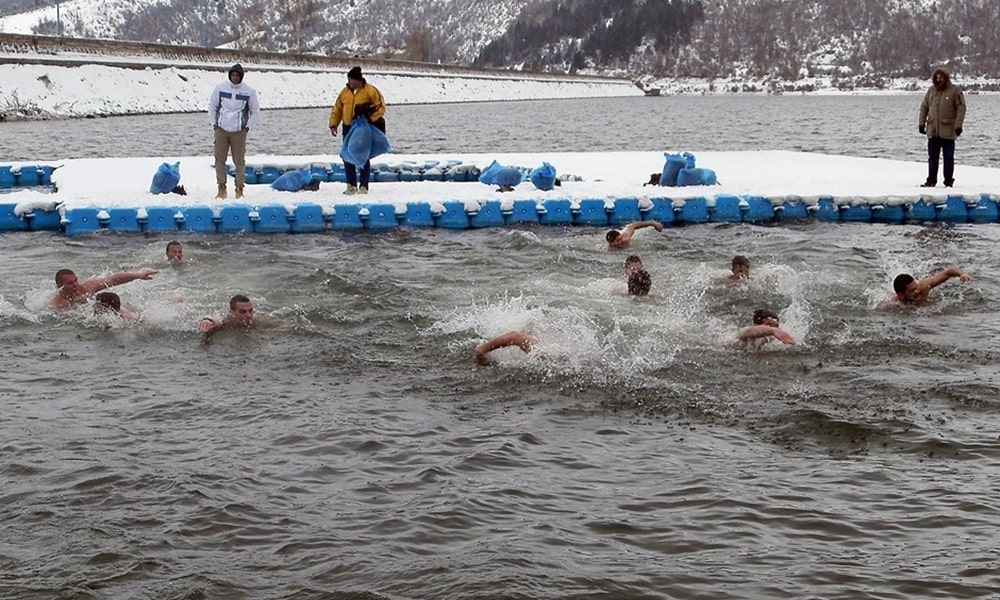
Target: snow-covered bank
<point x="52" y="91"/>
<point x="806" y="85"/>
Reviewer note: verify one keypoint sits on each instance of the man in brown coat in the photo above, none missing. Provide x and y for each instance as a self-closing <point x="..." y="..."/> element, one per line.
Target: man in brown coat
<point x="941" y="116"/>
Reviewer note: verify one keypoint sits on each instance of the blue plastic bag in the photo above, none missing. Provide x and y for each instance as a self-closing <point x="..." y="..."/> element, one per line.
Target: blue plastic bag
<point x="166" y="178"/>
<point x="497" y="174"/>
<point x="294" y="180"/>
<point x="363" y="142"/>
<point x="489" y="174"/>
<point x="544" y="177"/>
<point x="509" y="177"/>
<point x="673" y="166"/>
<point x="696" y="176"/>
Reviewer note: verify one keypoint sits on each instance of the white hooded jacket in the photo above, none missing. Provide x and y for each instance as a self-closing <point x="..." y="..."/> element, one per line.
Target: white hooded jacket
<point x="233" y="107"/>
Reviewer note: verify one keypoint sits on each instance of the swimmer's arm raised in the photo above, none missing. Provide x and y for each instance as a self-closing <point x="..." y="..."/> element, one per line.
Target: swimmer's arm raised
<point x="100" y="283"/>
<point x="940" y="277"/>
<point x="511" y="338"/>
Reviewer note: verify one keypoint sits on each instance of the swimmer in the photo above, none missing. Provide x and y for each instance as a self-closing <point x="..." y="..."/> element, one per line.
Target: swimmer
<point x="621" y="239"/>
<point x="912" y="291"/>
<point x="240" y="316"/>
<point x="72" y="292"/>
<point x="175" y="252"/>
<point x="740" y="270"/>
<point x="765" y="324"/>
<point x="109" y="303"/>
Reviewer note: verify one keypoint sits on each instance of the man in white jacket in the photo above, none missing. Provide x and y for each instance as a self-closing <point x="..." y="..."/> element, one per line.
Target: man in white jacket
<point x="233" y="110"/>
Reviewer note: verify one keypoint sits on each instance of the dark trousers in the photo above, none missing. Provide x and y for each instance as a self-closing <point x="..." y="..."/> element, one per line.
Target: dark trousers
<point x="352" y="173"/>
<point x="934" y="147"/>
<point x="366" y="171"/>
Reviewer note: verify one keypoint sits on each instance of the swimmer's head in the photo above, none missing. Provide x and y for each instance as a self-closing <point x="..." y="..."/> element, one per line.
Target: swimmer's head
<point x="741" y="266"/>
<point x="765" y="316"/>
<point x="632" y="264"/>
<point x="175" y="252"/>
<point x="107" y="302"/>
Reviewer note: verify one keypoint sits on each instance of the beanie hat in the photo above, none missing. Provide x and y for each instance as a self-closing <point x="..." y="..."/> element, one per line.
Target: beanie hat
<point x="237" y="68"/>
<point x="355" y="73"/>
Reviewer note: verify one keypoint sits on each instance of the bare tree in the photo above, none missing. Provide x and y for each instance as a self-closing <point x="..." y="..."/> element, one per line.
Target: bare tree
<point x="297" y="13"/>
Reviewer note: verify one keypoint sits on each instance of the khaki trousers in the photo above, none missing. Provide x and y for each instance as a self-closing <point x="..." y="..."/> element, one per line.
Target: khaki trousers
<point x="224" y="142"/>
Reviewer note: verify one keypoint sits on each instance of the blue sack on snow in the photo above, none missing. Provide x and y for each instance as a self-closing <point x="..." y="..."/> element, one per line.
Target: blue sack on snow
<point x="673" y="166"/>
<point x="166" y="178"/>
<point x="697" y="176"/>
<point x="363" y="142"/>
<point x="497" y="174"/>
<point x="509" y="177"/>
<point x="489" y="174"/>
<point x="544" y="177"/>
<point x="294" y="180"/>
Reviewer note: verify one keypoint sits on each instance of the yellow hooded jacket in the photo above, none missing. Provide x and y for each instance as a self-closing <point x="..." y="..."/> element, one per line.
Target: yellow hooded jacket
<point x="343" y="108"/>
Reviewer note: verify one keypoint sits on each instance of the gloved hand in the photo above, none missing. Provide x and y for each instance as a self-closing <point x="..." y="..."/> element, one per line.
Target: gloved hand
<point x="922" y="129"/>
<point x="333" y="131"/>
<point x="958" y="131"/>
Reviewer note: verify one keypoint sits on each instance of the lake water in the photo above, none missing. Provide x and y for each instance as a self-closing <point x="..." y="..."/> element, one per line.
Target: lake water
<point x="361" y="453"/>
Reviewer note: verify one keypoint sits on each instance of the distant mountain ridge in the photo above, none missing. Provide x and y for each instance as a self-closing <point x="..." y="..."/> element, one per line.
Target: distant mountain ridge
<point x="861" y="42"/>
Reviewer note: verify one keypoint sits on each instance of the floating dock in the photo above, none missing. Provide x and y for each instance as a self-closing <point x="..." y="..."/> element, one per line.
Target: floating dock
<point x="447" y="194"/>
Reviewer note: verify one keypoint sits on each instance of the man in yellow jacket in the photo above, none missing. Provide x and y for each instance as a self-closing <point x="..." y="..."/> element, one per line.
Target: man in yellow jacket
<point x="358" y="100"/>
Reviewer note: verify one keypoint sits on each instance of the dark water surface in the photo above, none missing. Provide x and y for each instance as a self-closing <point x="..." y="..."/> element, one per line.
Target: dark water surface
<point x="360" y="453"/>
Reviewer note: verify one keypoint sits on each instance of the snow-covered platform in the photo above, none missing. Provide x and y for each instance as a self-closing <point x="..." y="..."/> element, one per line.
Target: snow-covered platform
<point x="86" y="196"/>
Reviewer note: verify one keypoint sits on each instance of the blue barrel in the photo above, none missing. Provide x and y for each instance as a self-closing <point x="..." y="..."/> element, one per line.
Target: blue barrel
<point x="346" y="217"/>
<point x="454" y="216"/>
<point x="626" y="210"/>
<point x="45" y="173"/>
<point x="160" y="219"/>
<point x="952" y="210"/>
<point x="826" y="210"/>
<point x="791" y="209"/>
<point x="80" y="221"/>
<point x="856" y="213"/>
<point x="984" y="211"/>
<point x="418" y="214"/>
<point x="29" y="175"/>
<point x="920" y="211"/>
<point x="726" y="210"/>
<point x="662" y="211"/>
<point x="271" y="218"/>
<point x="307" y="217"/>
<point x="337" y="173"/>
<point x="7" y="178"/>
<point x="524" y="211"/>
<point x="44" y="220"/>
<point x="591" y="212"/>
<point x="268" y="174"/>
<point x="556" y="212"/>
<point x="9" y="221"/>
<point x="759" y="210"/>
<point x="124" y="219"/>
<point x="488" y="215"/>
<point x="888" y="213"/>
<point x="695" y="210"/>
<point x="381" y="217"/>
